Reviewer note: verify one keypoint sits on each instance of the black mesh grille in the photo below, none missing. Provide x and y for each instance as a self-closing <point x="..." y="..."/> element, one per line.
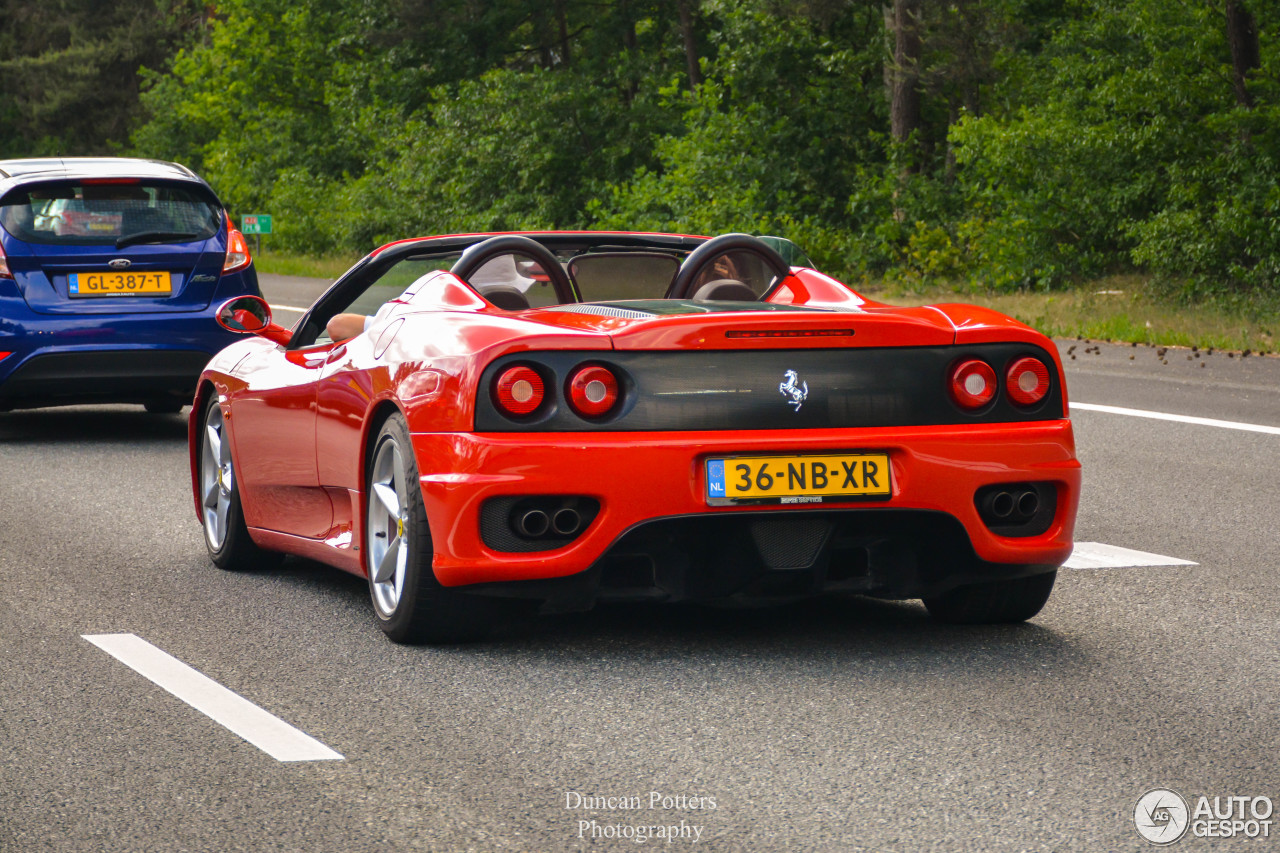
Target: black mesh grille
<point x="789" y="543"/>
<point x="718" y="555"/>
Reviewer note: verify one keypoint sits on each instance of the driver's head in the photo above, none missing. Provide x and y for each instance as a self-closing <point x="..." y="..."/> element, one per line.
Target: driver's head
<point x="722" y="267"/>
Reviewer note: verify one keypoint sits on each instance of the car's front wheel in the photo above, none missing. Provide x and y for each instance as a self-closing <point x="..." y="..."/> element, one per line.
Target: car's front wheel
<point x="225" y="533"/>
<point x="411" y="605"/>
<point x="993" y="602"/>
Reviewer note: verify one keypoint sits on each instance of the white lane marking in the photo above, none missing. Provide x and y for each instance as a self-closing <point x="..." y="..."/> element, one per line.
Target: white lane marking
<point x="1095" y="555"/>
<point x="288" y="308"/>
<point x="266" y="731"/>
<point x="1186" y="419"/>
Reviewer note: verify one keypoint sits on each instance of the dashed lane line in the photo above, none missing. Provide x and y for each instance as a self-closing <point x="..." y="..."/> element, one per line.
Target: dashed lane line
<point x="1185" y="419"/>
<point x="1095" y="555"/>
<point x="288" y="308"/>
<point x="266" y="731"/>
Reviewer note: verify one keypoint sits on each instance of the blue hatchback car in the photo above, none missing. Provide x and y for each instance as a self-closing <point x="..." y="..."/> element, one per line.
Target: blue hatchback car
<point x="111" y="270"/>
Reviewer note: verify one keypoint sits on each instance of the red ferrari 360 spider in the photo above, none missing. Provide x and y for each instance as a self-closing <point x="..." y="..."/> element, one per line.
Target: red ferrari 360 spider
<point x="547" y="420"/>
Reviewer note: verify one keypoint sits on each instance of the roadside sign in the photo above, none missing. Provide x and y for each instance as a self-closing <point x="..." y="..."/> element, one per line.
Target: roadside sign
<point x="255" y="223"/>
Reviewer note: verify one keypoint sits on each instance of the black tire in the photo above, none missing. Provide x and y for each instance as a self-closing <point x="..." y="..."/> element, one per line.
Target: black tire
<point x="164" y="406"/>
<point x="410" y="604"/>
<point x="993" y="602"/>
<point x="225" y="534"/>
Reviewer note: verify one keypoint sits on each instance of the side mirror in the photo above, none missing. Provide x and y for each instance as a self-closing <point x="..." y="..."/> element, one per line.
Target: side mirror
<point x="251" y="314"/>
<point x="244" y="314"/>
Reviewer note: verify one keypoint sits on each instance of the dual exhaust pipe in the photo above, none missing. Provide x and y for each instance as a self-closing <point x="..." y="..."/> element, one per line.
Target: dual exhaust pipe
<point x="1017" y="509"/>
<point x="525" y="524"/>
<point x="1007" y="504"/>
<point x="537" y="523"/>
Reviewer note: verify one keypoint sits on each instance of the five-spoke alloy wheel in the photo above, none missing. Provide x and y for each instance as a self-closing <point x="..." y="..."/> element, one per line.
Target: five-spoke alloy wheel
<point x="216" y="478"/>
<point x="410" y="604"/>
<point x="388" y="522"/>
<point x="225" y="533"/>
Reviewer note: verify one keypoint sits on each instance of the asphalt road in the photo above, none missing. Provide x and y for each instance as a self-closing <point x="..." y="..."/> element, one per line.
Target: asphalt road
<point x="842" y="725"/>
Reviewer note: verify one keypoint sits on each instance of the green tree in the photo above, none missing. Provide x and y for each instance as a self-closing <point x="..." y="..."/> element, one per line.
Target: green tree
<point x="354" y="121"/>
<point x="71" y="69"/>
<point x="773" y="138"/>
<point x="256" y="98"/>
<point x="1128" y="147"/>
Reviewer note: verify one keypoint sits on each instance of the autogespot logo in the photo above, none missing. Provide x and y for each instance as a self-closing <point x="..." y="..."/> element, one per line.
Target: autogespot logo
<point x="1161" y="816"/>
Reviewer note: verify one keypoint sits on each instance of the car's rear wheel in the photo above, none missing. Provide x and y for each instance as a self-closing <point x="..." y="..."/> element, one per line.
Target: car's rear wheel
<point x="1015" y="600"/>
<point x="225" y="533"/>
<point x="411" y="605"/>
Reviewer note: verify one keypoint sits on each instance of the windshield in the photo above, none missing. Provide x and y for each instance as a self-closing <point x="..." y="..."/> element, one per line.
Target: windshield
<point x="92" y="214"/>
<point x="608" y="276"/>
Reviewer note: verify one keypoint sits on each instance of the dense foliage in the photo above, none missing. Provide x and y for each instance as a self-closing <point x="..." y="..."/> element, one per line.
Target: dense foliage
<point x="1012" y="143"/>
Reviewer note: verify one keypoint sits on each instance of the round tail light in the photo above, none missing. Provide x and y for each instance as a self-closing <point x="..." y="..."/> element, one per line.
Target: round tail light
<point x="973" y="384"/>
<point x="593" y="391"/>
<point x="519" y="390"/>
<point x="1027" y="381"/>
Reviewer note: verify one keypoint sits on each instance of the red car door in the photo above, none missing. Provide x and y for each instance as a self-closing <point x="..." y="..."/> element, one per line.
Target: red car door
<point x="346" y="388"/>
<point x="273" y="426"/>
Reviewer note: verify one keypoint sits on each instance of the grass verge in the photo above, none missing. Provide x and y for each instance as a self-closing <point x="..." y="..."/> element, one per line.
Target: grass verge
<point x="1121" y="308"/>
<point x="287" y="263"/>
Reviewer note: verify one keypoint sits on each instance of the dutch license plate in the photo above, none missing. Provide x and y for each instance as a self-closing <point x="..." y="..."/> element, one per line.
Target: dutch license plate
<point x="797" y="479"/>
<point x="119" y="284"/>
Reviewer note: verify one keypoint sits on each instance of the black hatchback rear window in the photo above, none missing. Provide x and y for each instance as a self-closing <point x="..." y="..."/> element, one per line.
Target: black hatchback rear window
<point x="108" y="213"/>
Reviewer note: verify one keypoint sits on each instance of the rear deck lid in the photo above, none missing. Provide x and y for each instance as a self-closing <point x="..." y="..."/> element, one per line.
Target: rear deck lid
<point x="663" y="324"/>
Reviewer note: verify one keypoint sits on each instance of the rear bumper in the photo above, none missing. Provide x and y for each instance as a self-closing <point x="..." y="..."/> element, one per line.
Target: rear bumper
<point x="106" y="376"/>
<point x="106" y="352"/>
<point x="753" y="557"/>
<point x="108" y="359"/>
<point x="651" y="492"/>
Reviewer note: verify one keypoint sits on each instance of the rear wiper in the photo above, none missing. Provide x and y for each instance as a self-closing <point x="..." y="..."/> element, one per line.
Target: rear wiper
<point x="155" y="237"/>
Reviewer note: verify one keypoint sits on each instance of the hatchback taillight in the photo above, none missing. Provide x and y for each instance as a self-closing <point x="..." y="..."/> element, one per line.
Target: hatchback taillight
<point x="4" y="265"/>
<point x="593" y="391"/>
<point x="519" y="390"/>
<point x="1027" y="381"/>
<point x="973" y="384"/>
<point x="237" y="251"/>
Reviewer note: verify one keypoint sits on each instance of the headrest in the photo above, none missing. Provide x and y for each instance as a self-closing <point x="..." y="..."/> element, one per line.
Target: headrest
<point x="500" y="269"/>
<point x="505" y="296"/>
<point x="724" y="290"/>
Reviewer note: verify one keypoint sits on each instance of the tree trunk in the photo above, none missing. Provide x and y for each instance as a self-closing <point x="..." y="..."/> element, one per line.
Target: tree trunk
<point x="632" y="45"/>
<point x="563" y="23"/>
<point x="690" y="45"/>
<point x="902" y="74"/>
<point x="1242" y="36"/>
